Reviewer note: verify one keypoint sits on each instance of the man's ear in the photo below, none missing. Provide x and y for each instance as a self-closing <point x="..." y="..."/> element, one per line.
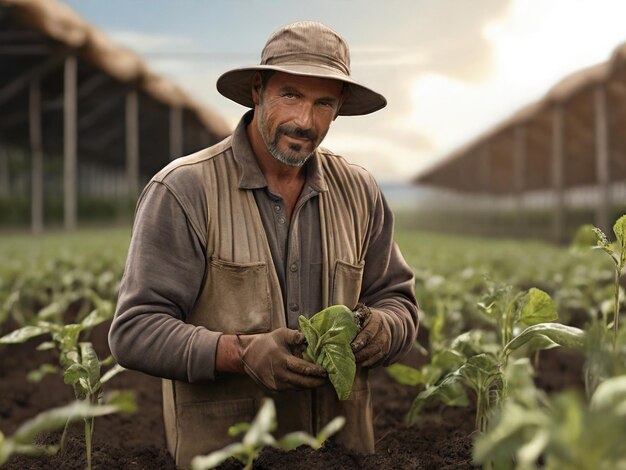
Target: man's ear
<point x="256" y="83"/>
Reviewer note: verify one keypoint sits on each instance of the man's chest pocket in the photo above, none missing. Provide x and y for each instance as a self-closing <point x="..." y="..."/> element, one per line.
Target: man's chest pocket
<point x="347" y="283"/>
<point x="236" y="298"/>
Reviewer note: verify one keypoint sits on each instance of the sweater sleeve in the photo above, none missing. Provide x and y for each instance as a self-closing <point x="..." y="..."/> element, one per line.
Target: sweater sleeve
<point x="388" y="282"/>
<point x="162" y="279"/>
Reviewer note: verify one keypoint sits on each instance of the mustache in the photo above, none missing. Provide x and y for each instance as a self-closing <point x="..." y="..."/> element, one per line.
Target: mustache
<point x="297" y="132"/>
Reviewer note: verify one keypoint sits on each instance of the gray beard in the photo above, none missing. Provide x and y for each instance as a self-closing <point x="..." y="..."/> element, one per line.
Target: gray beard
<point x="292" y="159"/>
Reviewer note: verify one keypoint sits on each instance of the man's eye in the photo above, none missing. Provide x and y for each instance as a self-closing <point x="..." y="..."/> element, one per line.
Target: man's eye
<point x="289" y="95"/>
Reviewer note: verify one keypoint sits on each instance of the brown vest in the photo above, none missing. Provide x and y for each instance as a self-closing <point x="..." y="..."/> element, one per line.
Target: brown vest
<point x="241" y="294"/>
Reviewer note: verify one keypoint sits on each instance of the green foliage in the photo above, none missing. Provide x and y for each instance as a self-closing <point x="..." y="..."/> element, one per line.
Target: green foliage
<point x="473" y="362"/>
<point x="21" y="441"/>
<point x="328" y="334"/>
<point x="562" y="431"/>
<point x="617" y="253"/>
<point x="44" y="277"/>
<point x="258" y="435"/>
<point x="78" y="360"/>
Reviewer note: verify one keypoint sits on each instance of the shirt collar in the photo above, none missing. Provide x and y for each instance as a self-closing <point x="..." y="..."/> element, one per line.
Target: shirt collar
<point x="251" y="176"/>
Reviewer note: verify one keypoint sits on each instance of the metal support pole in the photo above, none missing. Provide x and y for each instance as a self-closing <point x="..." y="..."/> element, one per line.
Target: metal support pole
<point x="69" y="143"/>
<point x="36" y="148"/>
<point x="603" y="204"/>
<point x="519" y="175"/>
<point x="132" y="144"/>
<point x="558" y="179"/>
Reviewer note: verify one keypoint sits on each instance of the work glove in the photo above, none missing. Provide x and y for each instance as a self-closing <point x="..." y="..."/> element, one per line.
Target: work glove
<point x="270" y="360"/>
<point x="373" y="342"/>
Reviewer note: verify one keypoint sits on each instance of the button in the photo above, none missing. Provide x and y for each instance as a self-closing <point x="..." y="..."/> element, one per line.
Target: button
<point x="293" y="268"/>
<point x="294" y="307"/>
<point x="281" y="220"/>
<point x="277" y="208"/>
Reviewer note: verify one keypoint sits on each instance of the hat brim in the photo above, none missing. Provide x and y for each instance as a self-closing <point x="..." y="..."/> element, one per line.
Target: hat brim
<point x="236" y="85"/>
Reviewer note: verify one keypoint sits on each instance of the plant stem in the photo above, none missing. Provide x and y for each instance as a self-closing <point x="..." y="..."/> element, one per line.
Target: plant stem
<point x="64" y="436"/>
<point x="616" y="308"/>
<point x="88" y="429"/>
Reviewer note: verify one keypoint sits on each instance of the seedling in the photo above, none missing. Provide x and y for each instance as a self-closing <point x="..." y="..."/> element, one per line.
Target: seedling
<point x="258" y="436"/>
<point x="21" y="441"/>
<point x="480" y="365"/>
<point x="79" y="364"/>
<point x="618" y="255"/>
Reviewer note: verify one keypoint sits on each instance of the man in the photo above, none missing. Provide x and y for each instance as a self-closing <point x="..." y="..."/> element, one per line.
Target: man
<point x="231" y="244"/>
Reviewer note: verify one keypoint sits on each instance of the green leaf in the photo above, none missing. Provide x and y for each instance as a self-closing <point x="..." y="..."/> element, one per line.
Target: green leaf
<point x="604" y="244"/>
<point x="89" y="359"/>
<point x="263" y="424"/>
<point x="311" y="335"/>
<point x="610" y="395"/>
<point x="548" y="334"/>
<point x="295" y="439"/>
<point x="333" y="427"/>
<point x="216" y="458"/>
<point x="538" y="308"/>
<point x="447" y="359"/>
<point x="619" y="228"/>
<point x="449" y="391"/>
<point x="122" y="400"/>
<point x="73" y="374"/>
<point x="96" y="317"/>
<point x="480" y="371"/>
<point x="46" y="346"/>
<point x="56" y="418"/>
<point x="405" y="375"/>
<point x="238" y="428"/>
<point x="21" y="335"/>
<point x="39" y="373"/>
<point x="112" y="372"/>
<point x="329" y="334"/>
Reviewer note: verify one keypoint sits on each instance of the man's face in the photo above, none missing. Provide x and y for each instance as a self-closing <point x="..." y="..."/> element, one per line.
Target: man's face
<point x="295" y="114"/>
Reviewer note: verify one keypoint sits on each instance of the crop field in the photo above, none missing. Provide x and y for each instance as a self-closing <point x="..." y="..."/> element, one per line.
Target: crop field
<point x="520" y="361"/>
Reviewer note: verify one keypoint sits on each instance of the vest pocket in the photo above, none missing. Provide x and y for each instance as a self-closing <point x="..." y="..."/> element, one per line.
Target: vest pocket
<point x="347" y="283"/>
<point x="236" y="298"/>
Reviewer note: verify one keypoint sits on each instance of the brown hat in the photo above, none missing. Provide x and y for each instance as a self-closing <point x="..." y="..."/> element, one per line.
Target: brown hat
<point x="304" y="48"/>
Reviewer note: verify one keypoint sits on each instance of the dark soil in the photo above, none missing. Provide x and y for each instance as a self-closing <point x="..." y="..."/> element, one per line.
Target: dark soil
<point x="443" y="440"/>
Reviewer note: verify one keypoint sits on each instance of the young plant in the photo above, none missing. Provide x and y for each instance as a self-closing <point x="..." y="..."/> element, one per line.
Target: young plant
<point x="618" y="255"/>
<point x="21" y="441"/>
<point x="258" y="436"/>
<point x="79" y="363"/>
<point x="83" y="374"/>
<point x="562" y="431"/>
<point x="64" y="338"/>
<point x="328" y="334"/>
<point x="479" y="365"/>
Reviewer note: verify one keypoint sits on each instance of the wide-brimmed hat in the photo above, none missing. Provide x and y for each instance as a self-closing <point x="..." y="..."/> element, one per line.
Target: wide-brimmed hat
<point x="304" y="48"/>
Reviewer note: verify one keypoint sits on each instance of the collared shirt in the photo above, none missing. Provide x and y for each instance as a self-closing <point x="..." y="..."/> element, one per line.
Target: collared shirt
<point x="295" y="244"/>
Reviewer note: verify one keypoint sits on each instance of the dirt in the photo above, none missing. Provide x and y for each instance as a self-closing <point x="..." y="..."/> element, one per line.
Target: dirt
<point x="443" y="439"/>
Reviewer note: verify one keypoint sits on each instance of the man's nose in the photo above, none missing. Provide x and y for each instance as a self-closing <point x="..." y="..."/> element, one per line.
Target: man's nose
<point x="304" y="117"/>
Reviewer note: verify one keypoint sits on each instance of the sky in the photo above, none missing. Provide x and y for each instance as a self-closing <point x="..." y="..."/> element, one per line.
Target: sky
<point x="450" y="69"/>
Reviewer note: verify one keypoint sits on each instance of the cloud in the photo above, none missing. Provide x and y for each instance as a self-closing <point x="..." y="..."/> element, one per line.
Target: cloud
<point x="532" y="45"/>
<point x="146" y="43"/>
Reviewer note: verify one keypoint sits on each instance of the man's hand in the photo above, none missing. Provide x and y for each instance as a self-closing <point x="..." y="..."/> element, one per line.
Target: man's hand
<point x="373" y="342"/>
<point x="269" y="360"/>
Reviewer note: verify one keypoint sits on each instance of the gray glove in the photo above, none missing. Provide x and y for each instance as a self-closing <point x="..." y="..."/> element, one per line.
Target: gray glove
<point x="270" y="360"/>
